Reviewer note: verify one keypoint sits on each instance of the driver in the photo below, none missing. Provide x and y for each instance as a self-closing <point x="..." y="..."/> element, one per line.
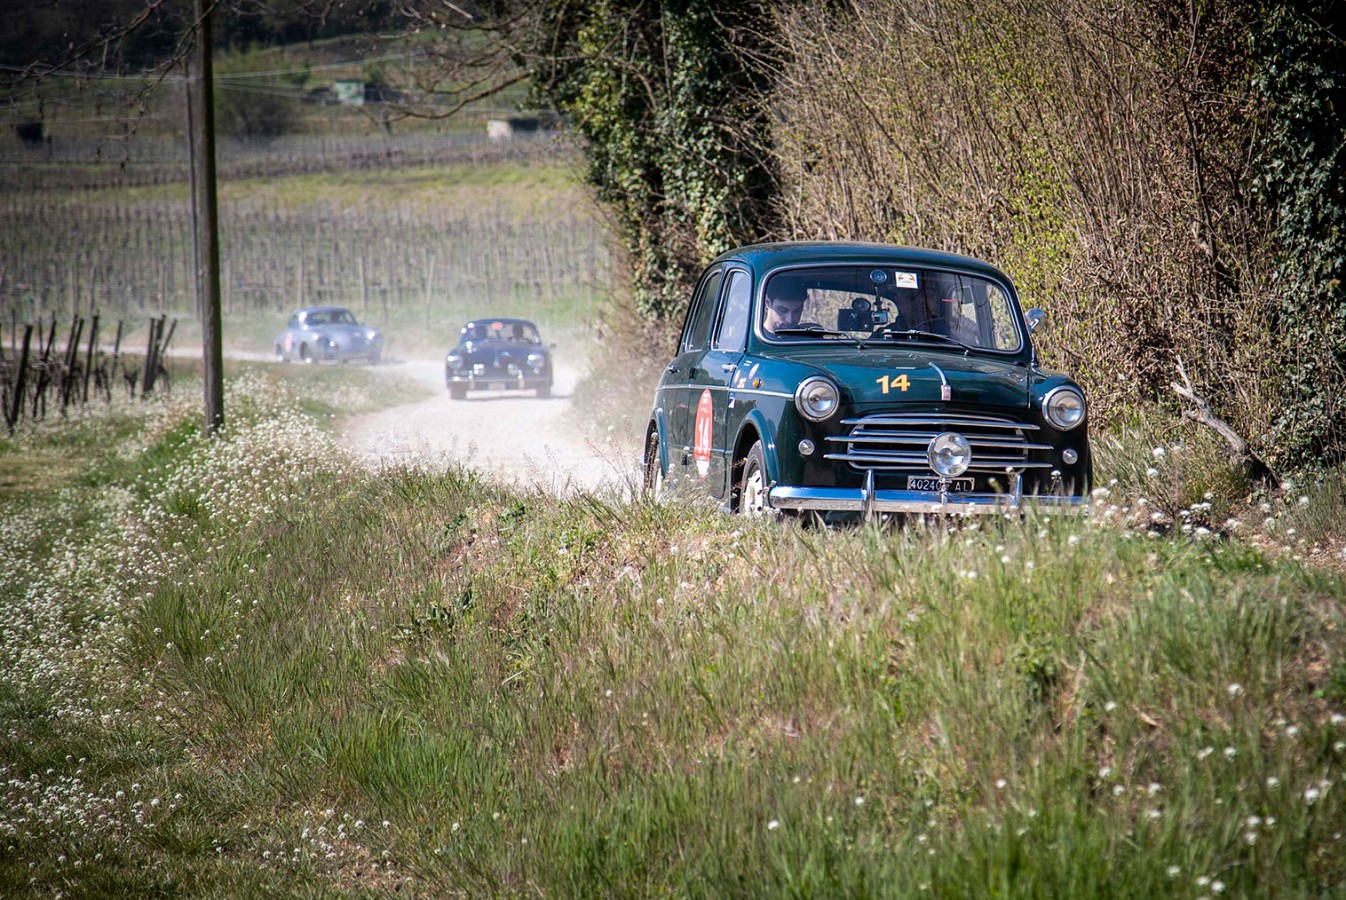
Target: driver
<point x="784" y="304"/>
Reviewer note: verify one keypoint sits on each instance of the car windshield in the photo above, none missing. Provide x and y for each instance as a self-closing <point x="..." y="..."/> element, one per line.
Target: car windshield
<point x="331" y="317"/>
<point x="517" y="332"/>
<point x="884" y="303"/>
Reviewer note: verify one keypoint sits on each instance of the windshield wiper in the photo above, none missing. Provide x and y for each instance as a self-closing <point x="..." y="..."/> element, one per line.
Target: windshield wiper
<point x="816" y="330"/>
<point x="918" y="333"/>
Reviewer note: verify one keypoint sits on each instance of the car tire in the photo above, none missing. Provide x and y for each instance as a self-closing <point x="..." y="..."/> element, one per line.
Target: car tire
<point x="306" y="355"/>
<point x="751" y="500"/>
<point x="543" y="391"/>
<point x="375" y="357"/>
<point x="280" y="355"/>
<point x="458" y="391"/>
<point x="653" y="482"/>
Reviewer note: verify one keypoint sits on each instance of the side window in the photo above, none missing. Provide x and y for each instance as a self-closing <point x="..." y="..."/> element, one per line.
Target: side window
<point x="734" y="323"/>
<point x="1004" y="333"/>
<point x="697" y="329"/>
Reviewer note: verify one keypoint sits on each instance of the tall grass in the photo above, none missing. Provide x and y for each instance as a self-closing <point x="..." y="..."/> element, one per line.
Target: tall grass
<point x="340" y="681"/>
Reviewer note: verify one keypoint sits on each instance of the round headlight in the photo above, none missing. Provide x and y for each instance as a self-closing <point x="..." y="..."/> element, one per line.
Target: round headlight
<point x="454" y="360"/>
<point x="1064" y="408"/>
<point x="536" y="359"/>
<point x="950" y="454"/>
<point x="817" y="399"/>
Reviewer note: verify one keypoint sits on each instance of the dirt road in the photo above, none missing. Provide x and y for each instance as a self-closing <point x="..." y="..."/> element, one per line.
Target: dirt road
<point x="509" y="435"/>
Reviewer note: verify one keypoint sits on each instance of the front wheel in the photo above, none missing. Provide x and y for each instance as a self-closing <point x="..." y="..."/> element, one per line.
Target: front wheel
<point x="544" y="391"/>
<point x="654" y="469"/>
<point x="280" y="355"/>
<point x="752" y="485"/>
<point x="305" y="355"/>
<point x="458" y="391"/>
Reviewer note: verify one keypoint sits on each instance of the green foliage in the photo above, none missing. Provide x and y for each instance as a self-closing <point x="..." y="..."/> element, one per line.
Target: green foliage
<point x="1301" y="81"/>
<point x="672" y="106"/>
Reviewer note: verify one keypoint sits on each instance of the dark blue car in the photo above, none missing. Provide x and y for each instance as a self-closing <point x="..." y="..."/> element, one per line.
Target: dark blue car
<point x="498" y="354"/>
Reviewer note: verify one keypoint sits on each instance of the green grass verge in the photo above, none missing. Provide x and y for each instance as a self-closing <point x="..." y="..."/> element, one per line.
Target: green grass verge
<point x="246" y="666"/>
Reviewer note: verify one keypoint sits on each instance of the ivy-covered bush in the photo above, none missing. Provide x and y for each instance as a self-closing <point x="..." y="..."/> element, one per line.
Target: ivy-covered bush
<point x="670" y="101"/>
<point x="1300" y="77"/>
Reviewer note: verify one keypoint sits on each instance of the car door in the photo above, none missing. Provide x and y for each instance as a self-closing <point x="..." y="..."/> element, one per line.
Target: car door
<point x="711" y="376"/>
<point x="695" y="340"/>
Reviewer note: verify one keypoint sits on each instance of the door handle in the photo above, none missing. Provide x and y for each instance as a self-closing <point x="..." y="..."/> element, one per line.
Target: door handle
<point x="729" y="367"/>
<point x="672" y="370"/>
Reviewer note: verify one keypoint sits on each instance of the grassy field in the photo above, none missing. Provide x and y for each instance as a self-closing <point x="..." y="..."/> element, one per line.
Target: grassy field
<point x="248" y="667"/>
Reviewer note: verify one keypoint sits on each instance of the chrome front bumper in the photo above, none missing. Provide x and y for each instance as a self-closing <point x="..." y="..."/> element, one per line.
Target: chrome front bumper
<point x="866" y="500"/>
<point x="504" y="382"/>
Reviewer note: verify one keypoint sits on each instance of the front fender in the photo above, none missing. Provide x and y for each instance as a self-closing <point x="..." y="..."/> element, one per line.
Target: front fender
<point x="756" y="421"/>
<point x="659" y="421"/>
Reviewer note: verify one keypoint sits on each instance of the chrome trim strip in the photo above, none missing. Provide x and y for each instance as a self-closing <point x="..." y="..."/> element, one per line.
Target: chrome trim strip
<point x="951" y="419"/>
<point x="1003" y="444"/>
<point x="729" y="388"/>
<point x="858" y="500"/>
<point x="943" y="381"/>
<point x="879" y="437"/>
<point x="900" y="460"/>
<point x="867" y="495"/>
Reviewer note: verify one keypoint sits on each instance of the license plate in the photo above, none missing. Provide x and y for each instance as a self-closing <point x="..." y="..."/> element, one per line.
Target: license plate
<point x="498" y="385"/>
<point x="926" y="483"/>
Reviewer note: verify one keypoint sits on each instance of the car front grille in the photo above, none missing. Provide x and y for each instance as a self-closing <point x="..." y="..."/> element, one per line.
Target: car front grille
<point x="899" y="441"/>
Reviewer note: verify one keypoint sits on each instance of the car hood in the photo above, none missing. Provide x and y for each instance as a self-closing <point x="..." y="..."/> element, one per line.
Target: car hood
<point x="975" y="380"/>
<point x="346" y="331"/>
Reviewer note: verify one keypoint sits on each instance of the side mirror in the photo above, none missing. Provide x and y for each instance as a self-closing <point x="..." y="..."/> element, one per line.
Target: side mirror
<point x="1034" y="317"/>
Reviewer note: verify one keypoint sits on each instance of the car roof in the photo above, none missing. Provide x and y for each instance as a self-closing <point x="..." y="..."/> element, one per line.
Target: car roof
<point x="762" y="258"/>
<point x="503" y="320"/>
<point x="308" y="309"/>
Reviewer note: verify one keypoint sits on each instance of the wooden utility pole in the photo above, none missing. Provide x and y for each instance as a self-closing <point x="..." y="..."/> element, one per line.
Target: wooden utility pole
<point x="207" y="225"/>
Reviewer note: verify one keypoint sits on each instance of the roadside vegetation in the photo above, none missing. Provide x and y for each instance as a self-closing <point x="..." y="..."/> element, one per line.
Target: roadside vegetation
<point x="249" y="666"/>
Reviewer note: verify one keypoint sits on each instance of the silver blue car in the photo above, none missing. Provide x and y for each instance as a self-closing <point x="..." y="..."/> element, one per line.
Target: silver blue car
<point x="318" y="333"/>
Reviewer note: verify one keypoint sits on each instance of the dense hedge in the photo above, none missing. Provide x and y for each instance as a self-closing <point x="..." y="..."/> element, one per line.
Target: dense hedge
<point x="1300" y="77"/>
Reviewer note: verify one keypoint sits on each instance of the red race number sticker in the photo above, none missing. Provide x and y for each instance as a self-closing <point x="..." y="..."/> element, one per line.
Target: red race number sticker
<point x="704" y="429"/>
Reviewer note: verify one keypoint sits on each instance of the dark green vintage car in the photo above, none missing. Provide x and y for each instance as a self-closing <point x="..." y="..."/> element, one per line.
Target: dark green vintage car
<point x="851" y="379"/>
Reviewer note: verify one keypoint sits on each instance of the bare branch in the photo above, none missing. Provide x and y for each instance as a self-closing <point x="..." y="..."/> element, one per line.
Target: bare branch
<point x="1199" y="411"/>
